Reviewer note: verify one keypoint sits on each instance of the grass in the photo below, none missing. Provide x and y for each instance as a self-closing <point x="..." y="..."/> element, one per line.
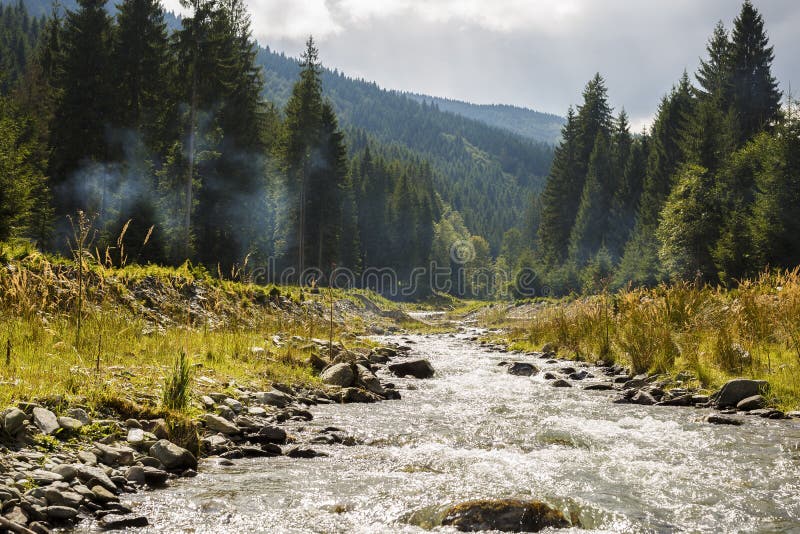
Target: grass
<point x="713" y="333"/>
<point x="134" y="320"/>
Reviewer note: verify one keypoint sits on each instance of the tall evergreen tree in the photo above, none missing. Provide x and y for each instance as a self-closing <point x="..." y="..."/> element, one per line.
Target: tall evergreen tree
<point x="84" y="110"/>
<point x="592" y="222"/>
<point x="640" y="263"/>
<point x="561" y="195"/>
<point x="756" y="98"/>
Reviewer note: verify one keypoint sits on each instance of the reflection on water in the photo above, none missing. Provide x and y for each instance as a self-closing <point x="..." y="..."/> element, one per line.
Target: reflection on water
<point x="475" y="431"/>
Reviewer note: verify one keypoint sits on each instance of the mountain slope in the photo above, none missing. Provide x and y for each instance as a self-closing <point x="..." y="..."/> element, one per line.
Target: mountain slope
<point x="523" y="121"/>
<point x="485" y="172"/>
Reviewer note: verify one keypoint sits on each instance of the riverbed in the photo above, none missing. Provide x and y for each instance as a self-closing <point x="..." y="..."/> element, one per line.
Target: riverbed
<point x="475" y="431"/>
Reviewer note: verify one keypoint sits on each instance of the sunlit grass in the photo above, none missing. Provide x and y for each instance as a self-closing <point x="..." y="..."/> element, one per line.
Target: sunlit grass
<point x="716" y="334"/>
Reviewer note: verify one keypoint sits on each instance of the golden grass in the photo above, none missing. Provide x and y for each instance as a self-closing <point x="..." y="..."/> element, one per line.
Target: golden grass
<point x="751" y="331"/>
<point x="126" y="351"/>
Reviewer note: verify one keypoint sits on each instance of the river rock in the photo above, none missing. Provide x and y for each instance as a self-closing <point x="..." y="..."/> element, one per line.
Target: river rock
<point x="506" y="515"/>
<point x="268" y="434"/>
<point x="216" y="423"/>
<point x="60" y="513"/>
<point x="155" y="477"/>
<point x="102" y="495"/>
<point x="561" y="383"/>
<point x="599" y="387"/>
<point x="643" y="397"/>
<point x="722" y="420"/>
<point x="67" y="472"/>
<point x="793" y="415"/>
<point x="92" y="476"/>
<point x="751" y="403"/>
<point x="273" y="397"/>
<point x="69" y="424"/>
<point x="522" y="369"/>
<point x="340" y="374"/>
<point x="14" y="421"/>
<point x="173" y="456"/>
<point x="368" y="380"/>
<point x="79" y="414"/>
<point x="45" y="420"/>
<point x="738" y="389"/>
<point x="549" y="376"/>
<point x="416" y="368"/>
<point x="122" y="522"/>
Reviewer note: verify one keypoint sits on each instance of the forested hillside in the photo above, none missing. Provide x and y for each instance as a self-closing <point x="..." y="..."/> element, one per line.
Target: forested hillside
<point x="155" y="146"/>
<point x="487" y="173"/>
<point x="710" y="194"/>
<point x="523" y="121"/>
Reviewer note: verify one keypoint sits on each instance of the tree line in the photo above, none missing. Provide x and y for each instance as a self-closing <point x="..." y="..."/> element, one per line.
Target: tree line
<point x="164" y="141"/>
<point x="708" y="194"/>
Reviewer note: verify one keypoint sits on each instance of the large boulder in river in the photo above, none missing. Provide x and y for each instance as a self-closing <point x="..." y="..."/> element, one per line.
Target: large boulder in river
<point x="368" y="380"/>
<point x="506" y="515"/>
<point x="522" y="369"/>
<point x="340" y="374"/>
<point x="173" y="456"/>
<point x="737" y="390"/>
<point x="415" y="368"/>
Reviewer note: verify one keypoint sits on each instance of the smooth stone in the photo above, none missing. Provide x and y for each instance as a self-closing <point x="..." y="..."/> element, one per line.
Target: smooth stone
<point x="173" y="456"/>
<point x="14" y="421"/>
<point x="122" y="522"/>
<point x="216" y="423"/>
<point x="45" y="420"/>
<point x="234" y="405"/>
<point x="738" y="389"/>
<point x="69" y="424"/>
<point x="506" y="515"/>
<point x="756" y="402"/>
<point x="367" y="379"/>
<point x="522" y="369"/>
<point x="340" y="374"/>
<point x="60" y="513"/>
<point x="722" y="420"/>
<point x="93" y="476"/>
<point x="80" y="414"/>
<point x="561" y="383"/>
<point x="416" y="368"/>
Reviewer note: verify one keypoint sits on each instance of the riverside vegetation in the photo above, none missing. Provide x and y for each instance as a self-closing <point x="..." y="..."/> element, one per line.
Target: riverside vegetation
<point x="141" y="370"/>
<point x="705" y="335"/>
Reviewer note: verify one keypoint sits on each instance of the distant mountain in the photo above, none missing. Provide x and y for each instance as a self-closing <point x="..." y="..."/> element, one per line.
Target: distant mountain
<point x="523" y="121"/>
<point x="486" y="167"/>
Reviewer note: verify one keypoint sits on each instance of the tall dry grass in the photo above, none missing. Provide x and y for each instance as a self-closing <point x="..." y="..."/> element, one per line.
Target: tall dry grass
<point x="751" y="331"/>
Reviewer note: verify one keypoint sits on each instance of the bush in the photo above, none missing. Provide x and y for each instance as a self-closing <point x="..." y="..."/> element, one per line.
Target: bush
<point x="177" y="385"/>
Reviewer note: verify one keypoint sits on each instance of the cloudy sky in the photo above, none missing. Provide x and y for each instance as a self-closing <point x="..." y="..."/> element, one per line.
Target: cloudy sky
<point x="532" y="53"/>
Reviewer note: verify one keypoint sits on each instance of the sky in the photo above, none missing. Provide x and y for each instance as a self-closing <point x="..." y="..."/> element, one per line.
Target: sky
<point x="532" y="53"/>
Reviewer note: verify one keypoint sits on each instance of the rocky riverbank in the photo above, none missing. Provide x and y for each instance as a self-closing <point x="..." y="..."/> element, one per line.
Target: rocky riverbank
<point x="736" y="398"/>
<point x="61" y="466"/>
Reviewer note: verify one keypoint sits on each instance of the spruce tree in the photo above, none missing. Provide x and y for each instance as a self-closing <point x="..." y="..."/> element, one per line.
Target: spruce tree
<point x="561" y="195"/>
<point x="84" y="110"/>
<point x="756" y="98"/>
<point x="592" y="222"/>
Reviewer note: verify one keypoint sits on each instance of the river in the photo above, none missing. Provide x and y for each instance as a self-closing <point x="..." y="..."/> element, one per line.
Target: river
<point x="474" y="431"/>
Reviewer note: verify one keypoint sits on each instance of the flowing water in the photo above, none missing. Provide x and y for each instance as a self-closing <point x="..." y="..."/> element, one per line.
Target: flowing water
<point x="475" y="431"/>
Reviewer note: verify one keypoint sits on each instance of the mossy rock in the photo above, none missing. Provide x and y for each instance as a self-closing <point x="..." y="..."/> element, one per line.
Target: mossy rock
<point x="507" y="515"/>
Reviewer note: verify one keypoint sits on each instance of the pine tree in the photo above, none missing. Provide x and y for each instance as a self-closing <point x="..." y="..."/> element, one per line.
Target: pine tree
<point x="84" y="110"/>
<point x="561" y="196"/>
<point x="640" y="263"/>
<point x="591" y="224"/>
<point x="756" y="98"/>
<point x="303" y="122"/>
<point x="141" y="59"/>
<point x="688" y="227"/>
